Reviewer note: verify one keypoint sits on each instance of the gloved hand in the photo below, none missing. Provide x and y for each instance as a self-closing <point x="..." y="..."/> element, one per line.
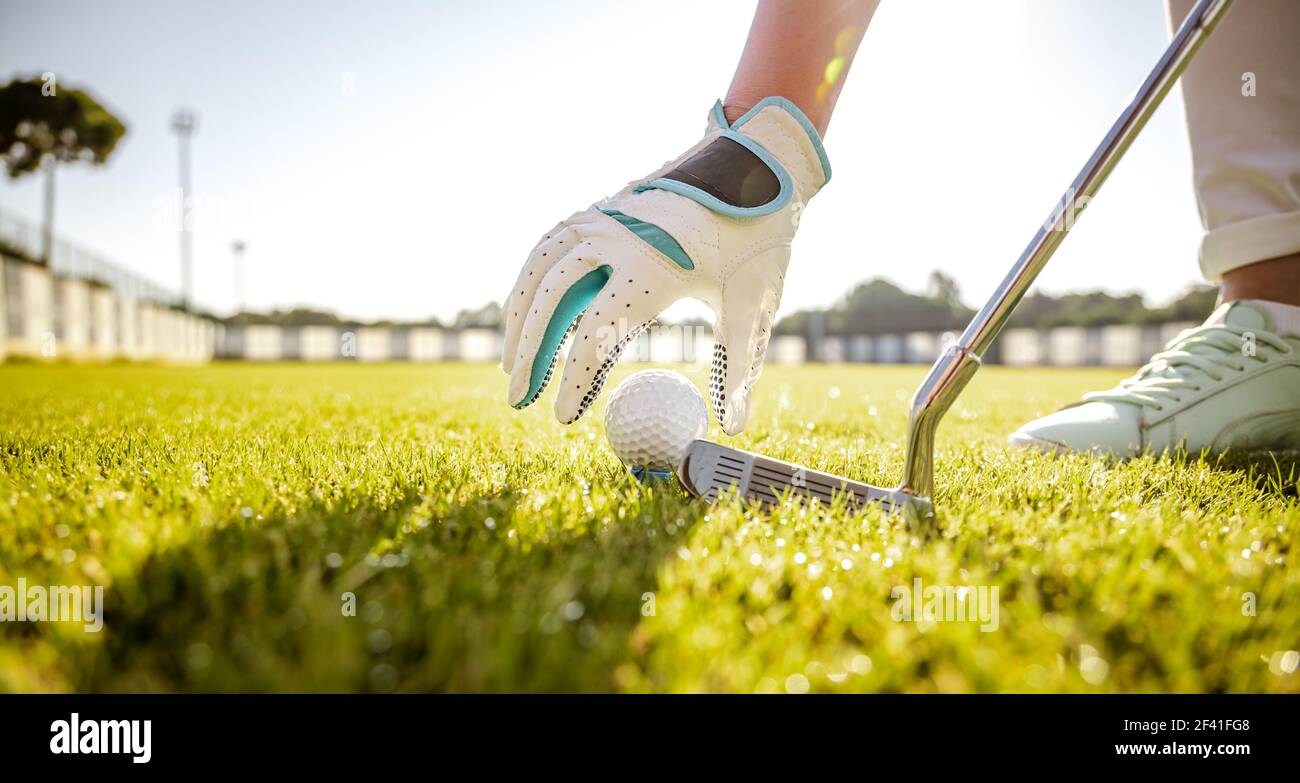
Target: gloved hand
<point x="714" y="224"/>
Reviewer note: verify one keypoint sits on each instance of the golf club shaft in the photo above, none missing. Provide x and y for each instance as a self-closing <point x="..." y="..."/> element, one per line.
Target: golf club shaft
<point x="958" y="364"/>
<point x="708" y="467"/>
<point x="1191" y="34"/>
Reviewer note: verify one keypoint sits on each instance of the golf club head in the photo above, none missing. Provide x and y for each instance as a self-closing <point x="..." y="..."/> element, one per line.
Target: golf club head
<point x="709" y="469"/>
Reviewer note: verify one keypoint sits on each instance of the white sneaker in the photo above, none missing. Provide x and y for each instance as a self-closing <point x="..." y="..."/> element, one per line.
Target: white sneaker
<point x="1230" y="383"/>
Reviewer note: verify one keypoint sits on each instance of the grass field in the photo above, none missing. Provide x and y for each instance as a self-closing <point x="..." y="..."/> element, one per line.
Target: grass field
<point x="228" y="510"/>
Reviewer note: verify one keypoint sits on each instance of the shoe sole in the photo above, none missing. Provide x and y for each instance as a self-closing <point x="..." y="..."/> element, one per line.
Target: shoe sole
<point x="1051" y="448"/>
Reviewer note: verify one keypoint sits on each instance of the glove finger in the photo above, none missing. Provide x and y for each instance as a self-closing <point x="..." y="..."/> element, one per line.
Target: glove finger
<point x="553" y="247"/>
<point x="742" y="332"/>
<point x="564" y="292"/>
<point x="630" y="300"/>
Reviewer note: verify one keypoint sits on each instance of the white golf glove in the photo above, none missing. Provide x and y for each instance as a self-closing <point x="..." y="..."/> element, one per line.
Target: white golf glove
<point x="714" y="224"/>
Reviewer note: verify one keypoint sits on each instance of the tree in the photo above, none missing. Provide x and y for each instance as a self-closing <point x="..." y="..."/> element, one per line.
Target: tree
<point x="943" y="288"/>
<point x="43" y="124"/>
<point x="1195" y="305"/>
<point x="878" y="306"/>
<point x="1085" y="308"/>
<point x="486" y="317"/>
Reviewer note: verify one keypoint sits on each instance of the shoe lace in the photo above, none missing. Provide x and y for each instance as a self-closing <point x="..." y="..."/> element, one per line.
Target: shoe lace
<point x="1210" y="351"/>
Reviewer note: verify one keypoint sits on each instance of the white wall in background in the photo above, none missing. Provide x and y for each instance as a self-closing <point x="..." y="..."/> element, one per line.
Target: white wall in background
<point x="128" y="328"/>
<point x="375" y="344"/>
<point x="424" y="344"/>
<point x="921" y="347"/>
<point x="192" y="331"/>
<point x="480" y="345"/>
<point x="232" y="343"/>
<point x="146" y="338"/>
<point x="189" y="327"/>
<point x="208" y="335"/>
<point x="103" y="322"/>
<point x="1067" y="346"/>
<point x="889" y="348"/>
<point x="787" y="349"/>
<point x="72" y="316"/>
<point x="830" y="349"/>
<point x="166" y="334"/>
<point x="318" y="343"/>
<point x="30" y="311"/>
<point x="263" y="343"/>
<point x="165" y="337"/>
<point x="1121" y="346"/>
<point x="55" y="316"/>
<point x="1022" y="346"/>
<point x="860" y="348"/>
<point x="4" y="312"/>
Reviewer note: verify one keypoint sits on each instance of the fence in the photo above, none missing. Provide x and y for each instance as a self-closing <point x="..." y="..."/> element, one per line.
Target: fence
<point x="1110" y="346"/>
<point x="83" y="306"/>
<point x="1120" y="345"/>
<point x="68" y="259"/>
<point x="51" y="316"/>
<point x="272" y="343"/>
<point x="48" y="315"/>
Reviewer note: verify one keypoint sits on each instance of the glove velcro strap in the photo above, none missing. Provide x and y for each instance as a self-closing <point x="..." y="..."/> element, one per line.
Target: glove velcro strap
<point x="732" y="175"/>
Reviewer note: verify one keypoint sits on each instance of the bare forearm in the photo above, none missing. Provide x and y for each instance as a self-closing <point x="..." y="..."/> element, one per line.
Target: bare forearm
<point x="800" y="50"/>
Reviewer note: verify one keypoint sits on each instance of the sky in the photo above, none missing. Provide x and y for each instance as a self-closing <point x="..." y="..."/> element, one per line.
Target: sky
<point x="400" y="159"/>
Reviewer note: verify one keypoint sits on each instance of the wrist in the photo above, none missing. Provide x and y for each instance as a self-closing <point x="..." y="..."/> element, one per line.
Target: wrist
<point x="733" y="108"/>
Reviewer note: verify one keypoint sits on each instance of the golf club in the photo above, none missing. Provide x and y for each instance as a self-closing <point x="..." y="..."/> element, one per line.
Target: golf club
<point x="708" y="469"/>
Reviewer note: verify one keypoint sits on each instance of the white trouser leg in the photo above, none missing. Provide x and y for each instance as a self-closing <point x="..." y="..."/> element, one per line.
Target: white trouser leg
<point x="1246" y="148"/>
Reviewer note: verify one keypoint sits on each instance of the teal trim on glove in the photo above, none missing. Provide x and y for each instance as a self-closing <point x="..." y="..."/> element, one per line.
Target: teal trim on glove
<point x="571" y="305"/>
<point x="654" y="236"/>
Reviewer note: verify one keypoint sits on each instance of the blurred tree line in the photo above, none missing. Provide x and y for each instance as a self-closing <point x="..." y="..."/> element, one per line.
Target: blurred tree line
<point x="878" y="306"/>
<point x="874" y="306"/>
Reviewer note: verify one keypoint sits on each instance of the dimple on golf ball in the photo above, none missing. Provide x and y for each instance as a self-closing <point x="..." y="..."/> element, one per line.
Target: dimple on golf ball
<point x="652" y="417"/>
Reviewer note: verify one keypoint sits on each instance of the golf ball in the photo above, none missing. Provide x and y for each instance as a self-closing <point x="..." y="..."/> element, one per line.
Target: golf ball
<point x="652" y="417"/>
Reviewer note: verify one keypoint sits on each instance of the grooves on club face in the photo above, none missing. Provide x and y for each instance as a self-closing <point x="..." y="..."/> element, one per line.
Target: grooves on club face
<point x="708" y="469"/>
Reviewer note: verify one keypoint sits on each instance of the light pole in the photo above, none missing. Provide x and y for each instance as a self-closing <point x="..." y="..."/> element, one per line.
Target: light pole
<point x="237" y="249"/>
<point x="47" y="229"/>
<point x="184" y="123"/>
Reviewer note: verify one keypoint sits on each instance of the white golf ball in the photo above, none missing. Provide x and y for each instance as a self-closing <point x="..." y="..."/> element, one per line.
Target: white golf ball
<point x="652" y="417"/>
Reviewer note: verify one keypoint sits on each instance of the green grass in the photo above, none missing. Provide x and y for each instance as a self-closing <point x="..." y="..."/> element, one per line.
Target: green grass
<point x="228" y="509"/>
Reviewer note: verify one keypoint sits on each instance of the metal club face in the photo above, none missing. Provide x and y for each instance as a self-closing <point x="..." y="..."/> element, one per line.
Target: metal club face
<point x="709" y="469"/>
